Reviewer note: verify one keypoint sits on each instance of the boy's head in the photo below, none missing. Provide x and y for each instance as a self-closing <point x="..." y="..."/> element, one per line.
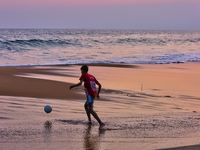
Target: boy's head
<point x="84" y="69"/>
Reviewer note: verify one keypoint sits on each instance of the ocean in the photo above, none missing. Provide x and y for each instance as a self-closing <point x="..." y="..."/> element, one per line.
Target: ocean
<point x="19" y="47"/>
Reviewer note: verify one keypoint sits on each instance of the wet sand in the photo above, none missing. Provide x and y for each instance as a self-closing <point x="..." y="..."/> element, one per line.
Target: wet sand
<point x="144" y="107"/>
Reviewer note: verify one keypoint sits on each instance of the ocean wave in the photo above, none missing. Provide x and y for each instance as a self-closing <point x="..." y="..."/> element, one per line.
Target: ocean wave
<point x="35" y="42"/>
<point x="155" y="59"/>
<point x="40" y="47"/>
<point x="90" y="42"/>
<point x="166" y="58"/>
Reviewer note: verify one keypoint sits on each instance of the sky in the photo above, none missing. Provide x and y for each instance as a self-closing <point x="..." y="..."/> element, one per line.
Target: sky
<point x="101" y="14"/>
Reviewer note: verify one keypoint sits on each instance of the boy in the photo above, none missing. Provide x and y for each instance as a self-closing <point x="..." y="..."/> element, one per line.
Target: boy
<point x="90" y="90"/>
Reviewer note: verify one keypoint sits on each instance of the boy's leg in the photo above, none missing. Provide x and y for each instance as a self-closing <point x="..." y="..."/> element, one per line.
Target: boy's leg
<point x="94" y="114"/>
<point x="87" y="112"/>
<point x="89" y="109"/>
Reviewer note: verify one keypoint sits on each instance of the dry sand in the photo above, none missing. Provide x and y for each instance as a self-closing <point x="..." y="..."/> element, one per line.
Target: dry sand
<point x="144" y="107"/>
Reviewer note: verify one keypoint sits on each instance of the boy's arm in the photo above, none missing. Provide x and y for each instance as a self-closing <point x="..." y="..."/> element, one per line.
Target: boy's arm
<point x="99" y="89"/>
<point x="75" y="85"/>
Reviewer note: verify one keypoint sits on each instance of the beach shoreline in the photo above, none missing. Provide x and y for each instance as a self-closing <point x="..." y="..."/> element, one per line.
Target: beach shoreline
<point x="12" y="77"/>
<point x="147" y="106"/>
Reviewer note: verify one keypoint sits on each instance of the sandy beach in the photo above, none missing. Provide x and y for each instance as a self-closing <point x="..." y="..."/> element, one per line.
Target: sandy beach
<point x="144" y="106"/>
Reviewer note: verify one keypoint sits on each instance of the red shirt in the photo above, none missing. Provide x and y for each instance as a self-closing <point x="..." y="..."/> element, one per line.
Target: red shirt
<point x="89" y="84"/>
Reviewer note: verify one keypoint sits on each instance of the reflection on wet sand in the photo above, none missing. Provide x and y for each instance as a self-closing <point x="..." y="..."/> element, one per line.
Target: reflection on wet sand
<point x="47" y="131"/>
<point x="92" y="141"/>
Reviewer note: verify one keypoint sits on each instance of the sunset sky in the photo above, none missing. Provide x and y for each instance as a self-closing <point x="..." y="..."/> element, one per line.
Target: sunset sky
<point x="101" y="14"/>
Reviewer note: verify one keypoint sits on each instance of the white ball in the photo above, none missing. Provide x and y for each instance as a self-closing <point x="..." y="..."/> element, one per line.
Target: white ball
<point x="47" y="108"/>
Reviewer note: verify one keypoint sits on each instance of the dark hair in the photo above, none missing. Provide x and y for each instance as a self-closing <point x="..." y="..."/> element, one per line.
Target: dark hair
<point x="84" y="68"/>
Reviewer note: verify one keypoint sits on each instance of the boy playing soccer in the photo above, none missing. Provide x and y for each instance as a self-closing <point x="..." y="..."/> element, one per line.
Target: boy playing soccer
<point x="91" y="92"/>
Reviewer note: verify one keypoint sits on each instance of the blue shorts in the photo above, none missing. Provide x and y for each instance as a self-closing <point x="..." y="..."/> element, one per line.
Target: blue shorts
<point x="90" y="101"/>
